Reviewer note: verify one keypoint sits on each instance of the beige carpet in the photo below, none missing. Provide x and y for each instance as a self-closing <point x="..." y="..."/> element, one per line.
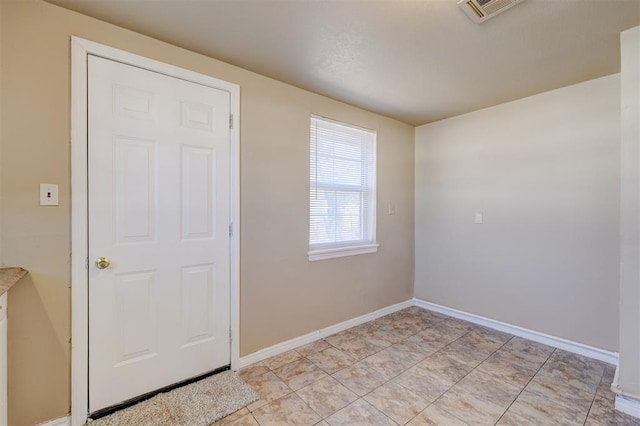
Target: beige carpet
<point x="198" y="404"/>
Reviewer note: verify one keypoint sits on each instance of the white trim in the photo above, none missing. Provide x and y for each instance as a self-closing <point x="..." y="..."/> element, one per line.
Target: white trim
<point x="332" y="250"/>
<point x="80" y="49"/>
<point x="319" y="334"/>
<point x="619" y="392"/>
<point x="234" y="252"/>
<point x="332" y="253"/>
<point x="614" y="384"/>
<point x="79" y="238"/>
<point x="344" y="123"/>
<point x="628" y="406"/>
<point x="556" y="342"/>
<point x="62" y="421"/>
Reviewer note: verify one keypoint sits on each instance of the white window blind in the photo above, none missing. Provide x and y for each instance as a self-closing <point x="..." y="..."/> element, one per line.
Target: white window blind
<point x="342" y="190"/>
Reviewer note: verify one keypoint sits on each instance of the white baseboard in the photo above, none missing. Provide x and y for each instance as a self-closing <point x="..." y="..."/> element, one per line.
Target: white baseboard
<point x="62" y="421"/>
<point x="556" y="342"/>
<point x="628" y="406"/>
<point x="614" y="385"/>
<point x="296" y="342"/>
<point x="625" y="403"/>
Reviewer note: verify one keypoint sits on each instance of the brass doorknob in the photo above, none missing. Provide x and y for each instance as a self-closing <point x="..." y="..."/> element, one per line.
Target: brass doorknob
<point x="102" y="263"/>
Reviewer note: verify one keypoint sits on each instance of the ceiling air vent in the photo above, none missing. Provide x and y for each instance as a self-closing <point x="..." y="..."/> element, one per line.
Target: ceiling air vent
<point x="481" y="10"/>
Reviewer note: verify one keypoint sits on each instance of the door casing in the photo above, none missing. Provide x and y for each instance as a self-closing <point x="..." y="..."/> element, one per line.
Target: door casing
<point x="80" y="49"/>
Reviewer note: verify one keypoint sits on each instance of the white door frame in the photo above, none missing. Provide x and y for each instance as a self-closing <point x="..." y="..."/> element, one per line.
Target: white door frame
<point x="80" y="49"/>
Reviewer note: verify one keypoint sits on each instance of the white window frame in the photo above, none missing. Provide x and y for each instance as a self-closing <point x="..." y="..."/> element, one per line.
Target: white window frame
<point x="350" y="248"/>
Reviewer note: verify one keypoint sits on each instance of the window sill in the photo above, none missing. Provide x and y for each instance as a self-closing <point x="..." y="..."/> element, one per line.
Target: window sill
<point x="331" y="253"/>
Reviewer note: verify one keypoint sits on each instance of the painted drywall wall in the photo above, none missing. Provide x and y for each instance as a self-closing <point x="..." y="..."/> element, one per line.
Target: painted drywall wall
<point x="283" y="295"/>
<point x="544" y="172"/>
<point x="629" y="361"/>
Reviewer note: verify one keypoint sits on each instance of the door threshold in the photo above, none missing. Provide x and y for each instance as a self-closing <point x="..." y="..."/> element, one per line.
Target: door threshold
<point x="133" y="401"/>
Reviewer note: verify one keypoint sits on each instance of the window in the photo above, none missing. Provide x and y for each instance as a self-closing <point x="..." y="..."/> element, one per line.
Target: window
<point x="342" y="196"/>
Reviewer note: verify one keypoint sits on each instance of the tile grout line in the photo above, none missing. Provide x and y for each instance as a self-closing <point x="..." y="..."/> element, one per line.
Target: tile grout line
<point x="434" y="401"/>
<point x="387" y="381"/>
<point x="413" y="365"/>
<point x="594" y="398"/>
<point x="354" y="359"/>
<point x="468" y="331"/>
<point x="472" y="370"/>
<point x="525" y="386"/>
<point x="330" y="345"/>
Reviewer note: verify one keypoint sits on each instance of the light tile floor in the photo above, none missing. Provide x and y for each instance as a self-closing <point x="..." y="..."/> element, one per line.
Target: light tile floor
<point x="417" y="367"/>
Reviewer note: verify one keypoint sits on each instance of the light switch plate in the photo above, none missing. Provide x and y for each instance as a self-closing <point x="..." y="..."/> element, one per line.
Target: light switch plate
<point x="478" y="218"/>
<point x="48" y="194"/>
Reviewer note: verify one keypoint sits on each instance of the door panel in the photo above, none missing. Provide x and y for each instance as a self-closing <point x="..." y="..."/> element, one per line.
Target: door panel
<point x="197" y="187"/>
<point x="198" y="300"/>
<point x="136" y="320"/>
<point x="158" y="210"/>
<point x="135" y="181"/>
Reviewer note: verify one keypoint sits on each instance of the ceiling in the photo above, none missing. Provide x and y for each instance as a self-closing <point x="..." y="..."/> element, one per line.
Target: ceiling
<point x="417" y="61"/>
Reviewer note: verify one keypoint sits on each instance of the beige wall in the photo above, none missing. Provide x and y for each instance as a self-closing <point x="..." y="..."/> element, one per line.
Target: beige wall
<point x="629" y="362"/>
<point x="544" y="171"/>
<point x="282" y="294"/>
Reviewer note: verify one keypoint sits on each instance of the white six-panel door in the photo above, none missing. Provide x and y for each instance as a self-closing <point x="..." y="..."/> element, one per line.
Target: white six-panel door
<point x="158" y="184"/>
